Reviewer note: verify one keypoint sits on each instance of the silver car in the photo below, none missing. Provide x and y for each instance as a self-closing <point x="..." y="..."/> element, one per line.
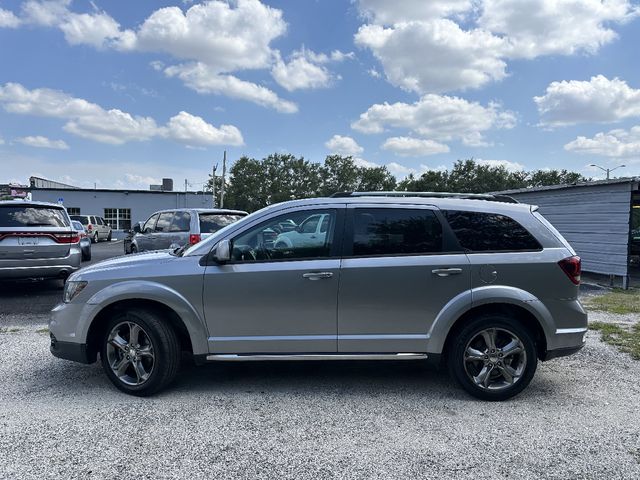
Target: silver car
<point x="486" y="287"/>
<point x="169" y="229"/>
<point x="37" y="241"/>
<point x="85" y="241"/>
<point x="97" y="228"/>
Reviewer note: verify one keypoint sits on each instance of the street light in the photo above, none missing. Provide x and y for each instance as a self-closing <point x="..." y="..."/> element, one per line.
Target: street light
<point x="608" y="170"/>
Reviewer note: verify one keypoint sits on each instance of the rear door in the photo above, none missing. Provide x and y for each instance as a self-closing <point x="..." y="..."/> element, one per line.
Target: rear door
<point x="400" y="268"/>
<point x="34" y="231"/>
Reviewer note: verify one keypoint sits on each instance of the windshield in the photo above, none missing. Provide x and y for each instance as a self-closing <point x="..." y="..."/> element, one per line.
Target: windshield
<point x="32" y="216"/>
<point x="80" y="218"/>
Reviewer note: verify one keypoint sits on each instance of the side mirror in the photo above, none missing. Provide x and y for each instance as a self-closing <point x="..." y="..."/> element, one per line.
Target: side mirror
<point x="136" y="228"/>
<point x="222" y="253"/>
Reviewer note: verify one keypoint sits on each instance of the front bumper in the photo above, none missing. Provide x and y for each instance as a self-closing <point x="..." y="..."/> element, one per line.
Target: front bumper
<point x="76" y="352"/>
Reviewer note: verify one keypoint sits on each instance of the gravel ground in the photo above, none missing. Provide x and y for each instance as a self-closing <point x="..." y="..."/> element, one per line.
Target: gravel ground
<point x="578" y="419"/>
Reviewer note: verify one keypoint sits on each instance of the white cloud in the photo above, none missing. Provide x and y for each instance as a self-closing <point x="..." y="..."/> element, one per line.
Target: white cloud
<point x="554" y="27"/>
<point x="400" y="171"/>
<point x="202" y="79"/>
<point x="225" y="36"/>
<point x="434" y="56"/>
<point x="510" y="166"/>
<point x="413" y="147"/>
<point x="598" y="100"/>
<point x="300" y="73"/>
<point x="343" y="145"/>
<point x="440" y="118"/>
<point x="39" y="141"/>
<point x="618" y="143"/>
<point x="192" y="130"/>
<point x="8" y="19"/>
<point x="361" y="162"/>
<point x="1" y="141"/>
<point x="91" y="121"/>
<point x="386" y="12"/>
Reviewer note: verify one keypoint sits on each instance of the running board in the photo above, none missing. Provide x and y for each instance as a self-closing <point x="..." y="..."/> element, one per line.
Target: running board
<point x="225" y="357"/>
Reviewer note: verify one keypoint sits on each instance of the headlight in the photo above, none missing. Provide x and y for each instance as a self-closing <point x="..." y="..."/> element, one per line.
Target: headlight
<point x="72" y="289"/>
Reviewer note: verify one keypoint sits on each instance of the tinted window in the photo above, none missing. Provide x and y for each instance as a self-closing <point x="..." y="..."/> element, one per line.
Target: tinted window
<point x="379" y="231"/>
<point x="99" y="221"/>
<point x="212" y="222"/>
<point x="181" y="222"/>
<point x="482" y="232"/>
<point x="32" y="216"/>
<point x="151" y="224"/>
<point x="80" y="218"/>
<point x="274" y="240"/>
<point x="164" y="222"/>
<point x="77" y="225"/>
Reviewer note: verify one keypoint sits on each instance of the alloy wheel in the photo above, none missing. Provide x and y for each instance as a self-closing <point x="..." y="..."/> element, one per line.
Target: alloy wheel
<point x="495" y="359"/>
<point x="130" y="353"/>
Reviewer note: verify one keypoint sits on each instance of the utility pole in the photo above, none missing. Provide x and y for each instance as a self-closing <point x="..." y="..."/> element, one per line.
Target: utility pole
<point x="213" y="185"/>
<point x="224" y="173"/>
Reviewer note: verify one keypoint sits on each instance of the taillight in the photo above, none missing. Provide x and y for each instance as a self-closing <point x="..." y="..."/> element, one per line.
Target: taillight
<point x="572" y="266"/>
<point x="194" y="238"/>
<point x="66" y="237"/>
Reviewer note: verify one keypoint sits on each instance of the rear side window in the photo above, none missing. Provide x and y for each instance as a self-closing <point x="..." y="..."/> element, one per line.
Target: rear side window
<point x="181" y="222"/>
<point x="212" y="222"/>
<point x="490" y="232"/>
<point x="32" y="216"/>
<point x="390" y="231"/>
<point x="164" y="222"/>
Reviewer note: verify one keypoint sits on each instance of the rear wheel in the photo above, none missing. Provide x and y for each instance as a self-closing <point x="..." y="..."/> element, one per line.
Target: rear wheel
<point x="493" y="357"/>
<point x="109" y="236"/>
<point x="86" y="254"/>
<point x="140" y="352"/>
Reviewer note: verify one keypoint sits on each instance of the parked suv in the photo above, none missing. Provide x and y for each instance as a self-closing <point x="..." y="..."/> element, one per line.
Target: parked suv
<point x="176" y="228"/>
<point x="487" y="287"/>
<point x="37" y="241"/>
<point x="97" y="228"/>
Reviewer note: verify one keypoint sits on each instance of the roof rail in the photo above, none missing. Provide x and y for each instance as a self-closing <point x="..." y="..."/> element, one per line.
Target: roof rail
<point x="466" y="196"/>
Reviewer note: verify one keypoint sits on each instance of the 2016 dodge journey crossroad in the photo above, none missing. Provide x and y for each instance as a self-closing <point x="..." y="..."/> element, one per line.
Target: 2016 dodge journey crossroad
<point x="481" y="284"/>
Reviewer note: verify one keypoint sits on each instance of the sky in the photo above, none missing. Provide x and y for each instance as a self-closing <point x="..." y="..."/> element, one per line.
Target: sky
<point x="120" y="94"/>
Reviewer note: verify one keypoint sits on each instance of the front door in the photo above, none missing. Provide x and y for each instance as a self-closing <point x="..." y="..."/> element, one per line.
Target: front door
<point x="399" y="270"/>
<point x="270" y="299"/>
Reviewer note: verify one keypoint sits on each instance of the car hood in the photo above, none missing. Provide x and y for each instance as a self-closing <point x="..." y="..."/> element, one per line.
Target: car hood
<point x="140" y="263"/>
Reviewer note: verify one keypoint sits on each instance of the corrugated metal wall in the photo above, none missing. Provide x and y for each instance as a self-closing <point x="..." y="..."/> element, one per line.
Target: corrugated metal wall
<point x="594" y="219"/>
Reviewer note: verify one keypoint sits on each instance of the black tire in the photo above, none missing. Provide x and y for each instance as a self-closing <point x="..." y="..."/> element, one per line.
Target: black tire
<point x="134" y="249"/>
<point x="109" y="236"/>
<point x="166" y="348"/>
<point x="86" y="255"/>
<point x="462" y="369"/>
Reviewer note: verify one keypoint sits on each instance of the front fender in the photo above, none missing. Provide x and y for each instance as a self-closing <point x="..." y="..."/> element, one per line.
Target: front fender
<point x="153" y="291"/>
<point x="497" y="294"/>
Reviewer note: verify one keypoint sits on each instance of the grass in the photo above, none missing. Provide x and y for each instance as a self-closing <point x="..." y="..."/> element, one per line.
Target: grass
<point x="42" y="330"/>
<point x="9" y="330"/>
<point x="617" y="301"/>
<point x="626" y="339"/>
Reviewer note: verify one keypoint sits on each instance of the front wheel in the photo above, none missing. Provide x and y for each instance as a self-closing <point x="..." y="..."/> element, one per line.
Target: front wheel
<point x="109" y="236"/>
<point x="493" y="357"/>
<point x="140" y="352"/>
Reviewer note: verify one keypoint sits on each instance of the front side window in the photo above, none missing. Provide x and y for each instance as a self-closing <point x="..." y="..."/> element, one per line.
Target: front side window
<point x="164" y="222"/>
<point x="395" y="231"/>
<point x="286" y="237"/>
<point x="150" y="226"/>
<point x="490" y="232"/>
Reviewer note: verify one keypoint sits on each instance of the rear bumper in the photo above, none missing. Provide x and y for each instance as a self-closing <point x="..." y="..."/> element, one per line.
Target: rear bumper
<point x="76" y="352"/>
<point x="42" y="267"/>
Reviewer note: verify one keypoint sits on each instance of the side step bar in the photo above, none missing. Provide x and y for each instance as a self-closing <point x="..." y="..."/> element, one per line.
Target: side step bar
<point x="226" y="357"/>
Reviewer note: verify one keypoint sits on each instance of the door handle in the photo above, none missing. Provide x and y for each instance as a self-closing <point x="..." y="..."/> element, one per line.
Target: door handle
<point x="445" y="272"/>
<point x="317" y="275"/>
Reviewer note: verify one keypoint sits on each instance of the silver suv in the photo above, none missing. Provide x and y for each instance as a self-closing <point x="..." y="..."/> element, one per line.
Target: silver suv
<point x="37" y="241"/>
<point x="178" y="227"/>
<point x="486" y="287"/>
<point x="97" y="228"/>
